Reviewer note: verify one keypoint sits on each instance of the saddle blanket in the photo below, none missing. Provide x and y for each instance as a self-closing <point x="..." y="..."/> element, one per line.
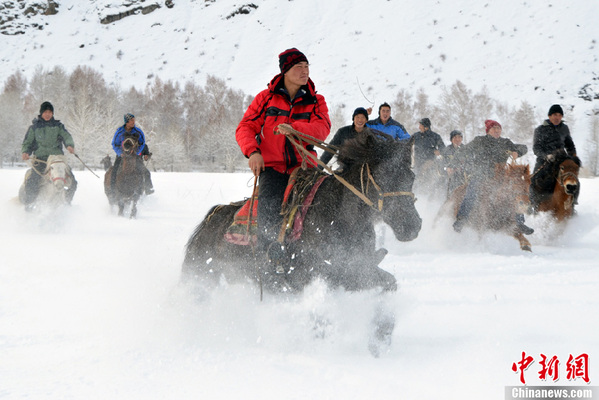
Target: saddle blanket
<point x="241" y="234"/>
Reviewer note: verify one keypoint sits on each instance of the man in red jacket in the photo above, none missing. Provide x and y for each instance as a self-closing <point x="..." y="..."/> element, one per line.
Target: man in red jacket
<point x="290" y="101"/>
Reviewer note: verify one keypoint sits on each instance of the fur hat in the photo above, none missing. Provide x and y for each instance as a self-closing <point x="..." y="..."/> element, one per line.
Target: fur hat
<point x="128" y="117"/>
<point x="556" y="108"/>
<point x="454" y="134"/>
<point x="360" y="110"/>
<point x="289" y="58"/>
<point x="490" y="123"/>
<point x="425" y="122"/>
<point x="46" y="105"/>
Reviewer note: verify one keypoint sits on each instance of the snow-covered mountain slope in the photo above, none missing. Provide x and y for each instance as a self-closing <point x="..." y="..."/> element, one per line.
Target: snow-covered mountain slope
<point x="540" y="51"/>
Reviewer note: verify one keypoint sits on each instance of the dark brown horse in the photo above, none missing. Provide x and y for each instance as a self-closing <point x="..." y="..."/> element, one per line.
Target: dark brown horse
<point x="498" y="202"/>
<point x="338" y="239"/>
<point x="128" y="186"/>
<point x="560" y="203"/>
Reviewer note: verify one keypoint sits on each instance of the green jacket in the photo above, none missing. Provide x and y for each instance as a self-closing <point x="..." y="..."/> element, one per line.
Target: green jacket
<point x="45" y="138"/>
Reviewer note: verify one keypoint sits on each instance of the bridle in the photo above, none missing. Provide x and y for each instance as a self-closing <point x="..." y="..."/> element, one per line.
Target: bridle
<point x="298" y="138"/>
<point x="47" y="170"/>
<point x="380" y="193"/>
<point x="562" y="176"/>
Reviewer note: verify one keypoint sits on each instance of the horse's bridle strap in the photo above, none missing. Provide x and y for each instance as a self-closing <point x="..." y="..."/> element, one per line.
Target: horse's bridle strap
<point x="564" y="176"/>
<point x="297" y="137"/>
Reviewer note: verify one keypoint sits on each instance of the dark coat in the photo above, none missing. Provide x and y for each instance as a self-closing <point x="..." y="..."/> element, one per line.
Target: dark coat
<point x="343" y="134"/>
<point x="483" y="152"/>
<point x="551" y="139"/>
<point x="425" y="144"/>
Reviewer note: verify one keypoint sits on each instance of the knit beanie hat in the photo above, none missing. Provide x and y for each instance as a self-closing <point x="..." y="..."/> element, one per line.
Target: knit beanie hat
<point x="289" y="58"/>
<point x="425" y="122"/>
<point x="556" y="108"/>
<point x="490" y="123"/>
<point x="454" y="134"/>
<point x="360" y="110"/>
<point x="46" y="105"/>
<point x="128" y="117"/>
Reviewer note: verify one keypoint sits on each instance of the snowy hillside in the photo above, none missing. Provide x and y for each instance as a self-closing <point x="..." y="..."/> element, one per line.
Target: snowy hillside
<point x="541" y="51"/>
<point x="90" y="308"/>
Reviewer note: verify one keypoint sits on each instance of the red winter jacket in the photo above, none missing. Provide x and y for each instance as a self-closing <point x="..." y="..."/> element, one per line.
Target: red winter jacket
<point x="308" y="113"/>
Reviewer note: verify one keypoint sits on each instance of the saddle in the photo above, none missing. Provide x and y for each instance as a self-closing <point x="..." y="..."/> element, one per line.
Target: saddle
<point x="299" y="195"/>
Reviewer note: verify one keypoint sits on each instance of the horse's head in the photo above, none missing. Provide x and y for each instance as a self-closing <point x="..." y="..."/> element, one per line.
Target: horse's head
<point x="380" y="166"/>
<point x="568" y="175"/>
<point x="516" y="181"/>
<point x="130" y="146"/>
<point x="57" y="171"/>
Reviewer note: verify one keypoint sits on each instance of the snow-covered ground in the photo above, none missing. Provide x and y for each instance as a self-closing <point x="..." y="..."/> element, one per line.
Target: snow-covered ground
<point x="90" y="307"/>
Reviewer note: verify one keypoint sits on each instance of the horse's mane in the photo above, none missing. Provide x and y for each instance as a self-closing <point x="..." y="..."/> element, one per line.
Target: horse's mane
<point x="373" y="147"/>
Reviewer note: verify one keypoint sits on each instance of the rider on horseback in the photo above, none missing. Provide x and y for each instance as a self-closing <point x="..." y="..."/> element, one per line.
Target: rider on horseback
<point x="551" y="139"/>
<point x="480" y="157"/>
<point x="427" y="145"/>
<point x="45" y="137"/>
<point x="455" y="173"/>
<point x="290" y="101"/>
<point x="129" y="130"/>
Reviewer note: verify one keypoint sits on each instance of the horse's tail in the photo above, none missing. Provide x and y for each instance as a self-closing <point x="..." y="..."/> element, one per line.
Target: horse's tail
<point x="208" y="235"/>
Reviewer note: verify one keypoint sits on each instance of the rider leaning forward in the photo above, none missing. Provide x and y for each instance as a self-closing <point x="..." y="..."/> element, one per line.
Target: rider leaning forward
<point x="45" y="137"/>
<point x="479" y="158"/>
<point x="551" y="139"/>
<point x="290" y="101"/>
<point x="130" y="130"/>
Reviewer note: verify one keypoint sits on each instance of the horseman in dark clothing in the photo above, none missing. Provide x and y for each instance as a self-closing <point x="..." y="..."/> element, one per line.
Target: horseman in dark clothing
<point x="480" y="157"/>
<point x="455" y="171"/>
<point x="552" y="140"/>
<point x="359" y="118"/>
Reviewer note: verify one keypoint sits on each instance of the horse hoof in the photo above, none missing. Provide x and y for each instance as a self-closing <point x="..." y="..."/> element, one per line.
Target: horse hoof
<point x="526" y="248"/>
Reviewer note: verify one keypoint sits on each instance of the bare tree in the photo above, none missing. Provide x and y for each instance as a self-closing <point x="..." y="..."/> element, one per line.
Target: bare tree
<point x="524" y="123"/>
<point x="403" y="109"/>
<point x="13" y="123"/>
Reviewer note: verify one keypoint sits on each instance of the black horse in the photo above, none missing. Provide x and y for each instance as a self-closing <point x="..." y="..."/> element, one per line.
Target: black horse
<point x="338" y="239"/>
<point x="128" y="187"/>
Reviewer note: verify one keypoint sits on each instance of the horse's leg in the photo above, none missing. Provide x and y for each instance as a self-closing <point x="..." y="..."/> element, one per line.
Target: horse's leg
<point x="524" y="243"/>
<point x="133" y="209"/>
<point x="121" y="208"/>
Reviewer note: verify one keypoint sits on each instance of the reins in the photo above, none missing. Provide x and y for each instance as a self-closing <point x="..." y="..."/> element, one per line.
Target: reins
<point x="297" y="139"/>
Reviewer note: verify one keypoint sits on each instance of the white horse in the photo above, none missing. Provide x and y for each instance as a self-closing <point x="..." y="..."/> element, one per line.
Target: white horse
<point x="57" y="184"/>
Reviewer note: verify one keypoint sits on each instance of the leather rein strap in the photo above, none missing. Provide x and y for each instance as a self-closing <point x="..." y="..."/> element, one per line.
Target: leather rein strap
<point x="297" y="139"/>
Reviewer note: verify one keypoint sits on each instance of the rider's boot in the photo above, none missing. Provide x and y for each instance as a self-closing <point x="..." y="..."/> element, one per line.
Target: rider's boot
<point x="275" y="270"/>
<point x="70" y="193"/>
<point x="521" y="226"/>
<point x="149" y="188"/>
<point x="459" y="223"/>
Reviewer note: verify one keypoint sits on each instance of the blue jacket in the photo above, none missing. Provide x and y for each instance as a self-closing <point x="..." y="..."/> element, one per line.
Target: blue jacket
<point x="392" y="127"/>
<point x="120" y="135"/>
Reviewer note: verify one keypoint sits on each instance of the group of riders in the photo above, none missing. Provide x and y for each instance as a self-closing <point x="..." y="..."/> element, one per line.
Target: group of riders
<point x="290" y="104"/>
<point x="47" y="136"/>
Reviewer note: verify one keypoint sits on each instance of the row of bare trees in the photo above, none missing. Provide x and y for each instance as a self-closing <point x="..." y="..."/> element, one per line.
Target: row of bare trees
<point x="192" y="127"/>
<point x="186" y="128"/>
